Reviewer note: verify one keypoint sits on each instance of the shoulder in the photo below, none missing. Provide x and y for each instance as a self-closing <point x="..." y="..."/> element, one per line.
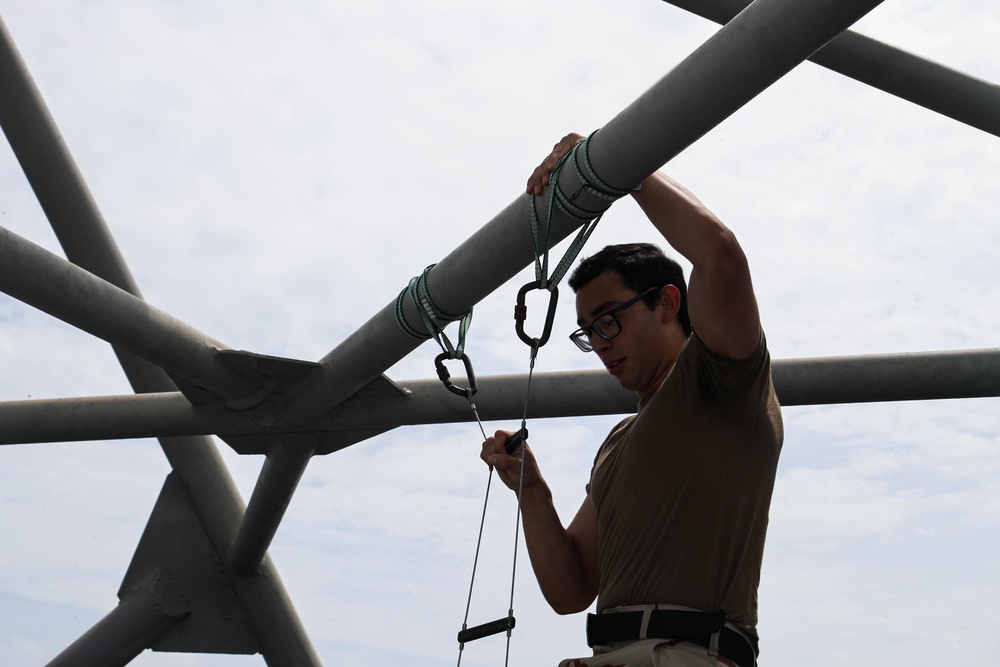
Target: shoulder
<point x="719" y="381"/>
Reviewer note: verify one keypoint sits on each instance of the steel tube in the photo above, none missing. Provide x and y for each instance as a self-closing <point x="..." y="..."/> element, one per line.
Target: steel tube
<point x="275" y="486"/>
<point x="139" y="619"/>
<point x="808" y="381"/>
<point x="737" y="63"/>
<point x="41" y="279"/>
<point x="83" y="234"/>
<point x="908" y="76"/>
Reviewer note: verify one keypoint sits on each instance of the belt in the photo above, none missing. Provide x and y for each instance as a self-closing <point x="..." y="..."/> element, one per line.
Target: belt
<point x="689" y="626"/>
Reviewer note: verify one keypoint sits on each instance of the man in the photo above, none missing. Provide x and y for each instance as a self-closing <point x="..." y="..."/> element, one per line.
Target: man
<point x="670" y="536"/>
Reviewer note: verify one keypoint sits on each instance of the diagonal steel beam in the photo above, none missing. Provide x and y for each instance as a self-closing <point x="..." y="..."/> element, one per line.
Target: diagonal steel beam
<point x="742" y="59"/>
<point x="41" y="279"/>
<point x="83" y="234"/>
<point x="142" y="616"/>
<point x="908" y="76"/>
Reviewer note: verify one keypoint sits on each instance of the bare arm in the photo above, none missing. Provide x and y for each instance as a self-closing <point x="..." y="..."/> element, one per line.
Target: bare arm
<point x="564" y="559"/>
<point x="721" y="300"/>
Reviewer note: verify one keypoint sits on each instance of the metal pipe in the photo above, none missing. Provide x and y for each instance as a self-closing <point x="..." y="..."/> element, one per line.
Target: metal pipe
<point x="908" y="76"/>
<point x="907" y="376"/>
<point x="734" y="65"/>
<point x="41" y="279"/>
<point x="133" y="626"/>
<point x="83" y="234"/>
<point x="275" y="486"/>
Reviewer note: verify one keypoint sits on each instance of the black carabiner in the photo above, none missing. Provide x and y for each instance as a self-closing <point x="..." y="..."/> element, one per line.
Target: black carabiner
<point x="521" y="314"/>
<point x="445" y="376"/>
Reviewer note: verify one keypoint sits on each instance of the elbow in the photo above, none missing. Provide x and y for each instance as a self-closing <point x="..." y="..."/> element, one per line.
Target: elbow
<point x="725" y="255"/>
<point x="567" y="609"/>
<point x="566" y="605"/>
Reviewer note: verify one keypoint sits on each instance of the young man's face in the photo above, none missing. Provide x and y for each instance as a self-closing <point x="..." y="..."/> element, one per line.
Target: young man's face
<point x="639" y="356"/>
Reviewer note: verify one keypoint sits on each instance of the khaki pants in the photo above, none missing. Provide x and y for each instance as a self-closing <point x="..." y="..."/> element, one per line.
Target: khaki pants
<point x="649" y="653"/>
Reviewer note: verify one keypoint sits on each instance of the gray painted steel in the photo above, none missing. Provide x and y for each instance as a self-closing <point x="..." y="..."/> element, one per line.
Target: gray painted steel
<point x="767" y="40"/>
<point x="727" y="71"/>
<point x="742" y="59"/>
<point x="38" y="278"/>
<point x="139" y="619"/>
<point x="277" y="482"/>
<point x="923" y="82"/>
<point x="174" y="541"/>
<point x="84" y="236"/>
<point x="810" y="381"/>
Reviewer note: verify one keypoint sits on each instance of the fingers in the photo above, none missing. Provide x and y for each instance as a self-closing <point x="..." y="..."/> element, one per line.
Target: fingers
<point x="493" y="447"/>
<point x="494" y="452"/>
<point x="539" y="178"/>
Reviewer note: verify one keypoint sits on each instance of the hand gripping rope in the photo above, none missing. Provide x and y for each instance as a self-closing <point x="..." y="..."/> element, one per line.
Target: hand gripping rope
<point x="432" y="317"/>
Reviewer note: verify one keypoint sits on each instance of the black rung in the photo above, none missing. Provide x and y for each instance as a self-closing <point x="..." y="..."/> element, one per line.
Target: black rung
<point x="486" y="629"/>
<point x="516" y="439"/>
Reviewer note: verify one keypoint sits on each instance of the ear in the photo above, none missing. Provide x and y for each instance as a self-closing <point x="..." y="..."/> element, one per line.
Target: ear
<point x="670" y="303"/>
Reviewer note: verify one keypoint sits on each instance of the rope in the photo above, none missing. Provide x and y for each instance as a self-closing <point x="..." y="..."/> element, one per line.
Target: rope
<point x="590" y="183"/>
<point x="520" y="488"/>
<point x="479" y="539"/>
<point x="431" y="316"/>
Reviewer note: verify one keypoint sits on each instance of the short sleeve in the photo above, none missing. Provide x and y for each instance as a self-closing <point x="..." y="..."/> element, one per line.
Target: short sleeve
<point x="742" y="387"/>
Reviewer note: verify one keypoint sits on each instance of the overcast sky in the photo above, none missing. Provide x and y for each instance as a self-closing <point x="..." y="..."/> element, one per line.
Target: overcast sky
<point x="274" y="175"/>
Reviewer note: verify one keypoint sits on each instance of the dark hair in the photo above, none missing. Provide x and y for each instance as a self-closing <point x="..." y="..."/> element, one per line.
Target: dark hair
<point x="641" y="266"/>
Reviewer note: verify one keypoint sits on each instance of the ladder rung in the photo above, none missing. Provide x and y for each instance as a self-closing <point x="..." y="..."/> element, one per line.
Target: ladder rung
<point x="486" y="629"/>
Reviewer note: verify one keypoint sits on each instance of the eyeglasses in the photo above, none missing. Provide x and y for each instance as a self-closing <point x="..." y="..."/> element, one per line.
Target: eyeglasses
<point x="605" y="325"/>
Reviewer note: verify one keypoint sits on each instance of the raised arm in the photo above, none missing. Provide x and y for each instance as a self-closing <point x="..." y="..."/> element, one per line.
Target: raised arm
<point x="721" y="300"/>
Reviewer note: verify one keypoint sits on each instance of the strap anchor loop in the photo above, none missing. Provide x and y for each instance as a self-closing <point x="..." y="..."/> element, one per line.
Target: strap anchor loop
<point x="445" y="376"/>
<point x="521" y="313"/>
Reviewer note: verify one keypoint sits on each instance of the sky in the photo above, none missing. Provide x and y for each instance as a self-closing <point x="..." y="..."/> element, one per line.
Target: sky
<point x="274" y="175"/>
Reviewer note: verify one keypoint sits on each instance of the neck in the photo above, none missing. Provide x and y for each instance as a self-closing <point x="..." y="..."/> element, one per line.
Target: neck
<point x="673" y="351"/>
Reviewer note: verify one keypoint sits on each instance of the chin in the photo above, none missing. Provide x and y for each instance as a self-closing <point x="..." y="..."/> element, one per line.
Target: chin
<point x="627" y="384"/>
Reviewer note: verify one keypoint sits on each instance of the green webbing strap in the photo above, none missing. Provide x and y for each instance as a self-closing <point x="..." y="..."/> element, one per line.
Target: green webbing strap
<point x="431" y="316"/>
<point x="594" y="185"/>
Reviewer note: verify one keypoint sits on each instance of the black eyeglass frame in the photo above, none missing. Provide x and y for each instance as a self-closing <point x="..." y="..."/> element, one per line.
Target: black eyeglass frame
<point x="581" y="337"/>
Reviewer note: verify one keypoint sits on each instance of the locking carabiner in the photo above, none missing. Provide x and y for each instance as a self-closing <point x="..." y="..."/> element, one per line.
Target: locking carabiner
<point x="521" y="313"/>
<point x="445" y="377"/>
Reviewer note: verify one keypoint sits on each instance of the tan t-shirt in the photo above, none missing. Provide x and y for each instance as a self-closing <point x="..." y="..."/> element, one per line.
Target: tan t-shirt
<point x="682" y="489"/>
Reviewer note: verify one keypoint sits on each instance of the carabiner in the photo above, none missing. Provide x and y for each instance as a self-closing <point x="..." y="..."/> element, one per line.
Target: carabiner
<point x="445" y="376"/>
<point x="521" y="313"/>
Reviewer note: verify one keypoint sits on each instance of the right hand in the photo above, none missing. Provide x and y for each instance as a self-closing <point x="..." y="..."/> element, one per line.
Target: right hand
<point x="539" y="178"/>
<point x="508" y="466"/>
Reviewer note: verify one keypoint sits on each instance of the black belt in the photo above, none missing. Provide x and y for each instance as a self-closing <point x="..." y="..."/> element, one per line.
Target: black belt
<point x="688" y="626"/>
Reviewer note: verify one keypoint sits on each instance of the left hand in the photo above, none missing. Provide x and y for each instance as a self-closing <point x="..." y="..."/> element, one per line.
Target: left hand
<point x="539" y="178"/>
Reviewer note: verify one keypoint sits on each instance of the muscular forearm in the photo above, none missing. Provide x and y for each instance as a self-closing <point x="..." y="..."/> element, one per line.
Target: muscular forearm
<point x="565" y="574"/>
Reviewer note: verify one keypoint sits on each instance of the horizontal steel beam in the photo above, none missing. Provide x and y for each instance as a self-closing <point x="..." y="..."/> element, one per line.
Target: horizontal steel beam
<point x="923" y="82"/>
<point x="906" y="376"/>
